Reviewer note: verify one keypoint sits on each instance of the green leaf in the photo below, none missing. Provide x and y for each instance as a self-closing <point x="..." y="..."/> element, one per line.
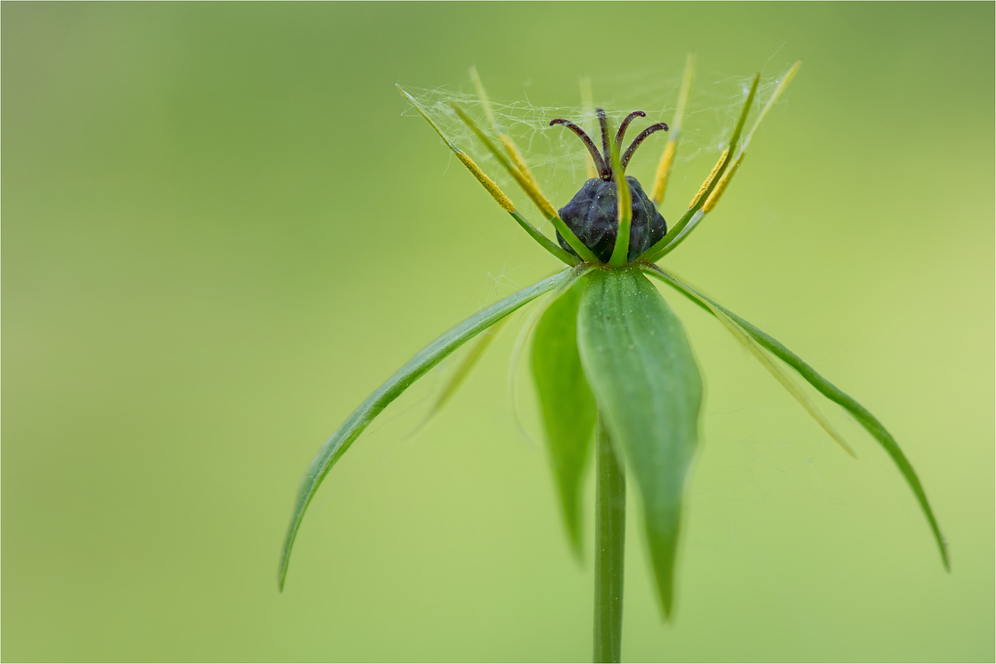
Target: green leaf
<point x="827" y="389"/>
<point x="637" y="359"/>
<point x="337" y="444"/>
<point x="566" y="402"/>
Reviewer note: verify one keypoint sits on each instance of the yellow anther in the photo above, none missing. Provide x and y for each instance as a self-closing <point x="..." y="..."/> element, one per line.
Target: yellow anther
<point x="500" y="196"/>
<point x="721" y="187"/>
<point x="663" y="169"/>
<point x="527" y="185"/>
<point x="708" y="181"/>
<point x="510" y="148"/>
<point x="487" y="182"/>
<point x="588" y="110"/>
<point x="517" y="159"/>
<point x="474" y="169"/>
<point x="667" y="159"/>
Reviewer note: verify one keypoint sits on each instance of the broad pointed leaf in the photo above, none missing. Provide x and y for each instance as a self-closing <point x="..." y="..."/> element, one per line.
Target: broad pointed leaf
<point x="637" y="359"/>
<point x="424" y="360"/>
<point x="566" y="402"/>
<point x="827" y="389"/>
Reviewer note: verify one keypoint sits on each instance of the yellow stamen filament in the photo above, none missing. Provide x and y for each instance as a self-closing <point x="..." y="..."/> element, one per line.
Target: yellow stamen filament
<point x="708" y="181"/>
<point x="517" y="159"/>
<point x="507" y="142"/>
<point x="786" y="79"/>
<point x="482" y="94"/>
<point x="487" y="182"/>
<point x="588" y="108"/>
<point x="531" y="190"/>
<point x="624" y="211"/>
<point x="721" y="187"/>
<point x="474" y="169"/>
<point x="538" y="198"/>
<point x="667" y="159"/>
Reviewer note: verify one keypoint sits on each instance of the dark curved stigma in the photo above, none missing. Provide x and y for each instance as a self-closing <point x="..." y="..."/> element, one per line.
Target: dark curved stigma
<point x="604" y="171"/>
<point x="603" y="161"/>
<point x="624" y="126"/>
<point x="603" y="123"/>
<point x="639" y="139"/>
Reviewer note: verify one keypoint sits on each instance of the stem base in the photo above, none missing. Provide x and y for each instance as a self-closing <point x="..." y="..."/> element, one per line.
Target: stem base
<point x="610" y="548"/>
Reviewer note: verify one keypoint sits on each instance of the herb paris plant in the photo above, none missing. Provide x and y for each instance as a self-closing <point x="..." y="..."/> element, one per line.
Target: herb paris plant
<point x="612" y="365"/>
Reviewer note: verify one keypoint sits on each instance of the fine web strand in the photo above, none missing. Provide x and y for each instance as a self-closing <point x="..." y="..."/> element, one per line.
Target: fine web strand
<point x="557" y="159"/>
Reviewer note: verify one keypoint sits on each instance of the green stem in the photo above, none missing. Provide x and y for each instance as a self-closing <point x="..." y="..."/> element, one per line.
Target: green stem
<point x="610" y="546"/>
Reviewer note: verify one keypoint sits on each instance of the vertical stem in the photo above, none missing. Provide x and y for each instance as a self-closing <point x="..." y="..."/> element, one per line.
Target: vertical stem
<point x="610" y="543"/>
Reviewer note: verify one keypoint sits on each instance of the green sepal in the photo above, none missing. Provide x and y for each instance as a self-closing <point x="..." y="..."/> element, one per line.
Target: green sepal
<point x="467" y="364"/>
<point x="566" y="403"/>
<point x="827" y="389"/>
<point x="640" y="367"/>
<point x="337" y="444"/>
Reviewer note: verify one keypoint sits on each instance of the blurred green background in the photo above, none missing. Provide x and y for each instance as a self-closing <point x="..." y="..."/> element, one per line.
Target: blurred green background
<point x="222" y="230"/>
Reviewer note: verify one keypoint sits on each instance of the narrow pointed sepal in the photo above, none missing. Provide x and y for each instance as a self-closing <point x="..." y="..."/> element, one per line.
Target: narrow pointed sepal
<point x="491" y="187"/>
<point x="467" y="364"/>
<point x="566" y="403"/>
<point x="647" y="385"/>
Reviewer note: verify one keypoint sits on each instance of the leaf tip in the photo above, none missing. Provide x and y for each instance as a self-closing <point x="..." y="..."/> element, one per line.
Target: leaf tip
<point x="665" y="592"/>
<point x="570" y="503"/>
<point x="851" y="452"/>
<point x="577" y="549"/>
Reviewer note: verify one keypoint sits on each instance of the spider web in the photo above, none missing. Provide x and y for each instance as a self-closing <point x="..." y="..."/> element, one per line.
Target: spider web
<point x="558" y="159"/>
